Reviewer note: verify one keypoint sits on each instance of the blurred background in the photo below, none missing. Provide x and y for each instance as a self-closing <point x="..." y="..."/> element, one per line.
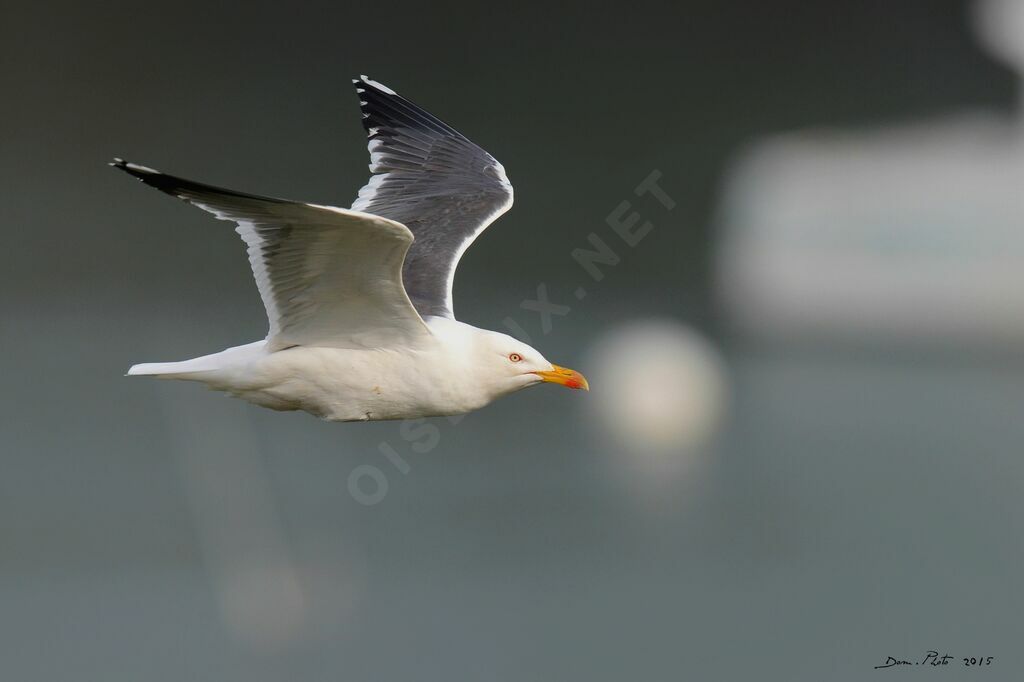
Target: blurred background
<point x="801" y="453"/>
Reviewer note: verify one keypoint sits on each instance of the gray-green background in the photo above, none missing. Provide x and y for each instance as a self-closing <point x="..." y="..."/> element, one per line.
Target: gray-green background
<point x="857" y="503"/>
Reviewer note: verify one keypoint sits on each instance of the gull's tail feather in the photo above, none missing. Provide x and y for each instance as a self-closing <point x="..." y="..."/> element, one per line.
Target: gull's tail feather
<point x="207" y="365"/>
<point x="170" y="370"/>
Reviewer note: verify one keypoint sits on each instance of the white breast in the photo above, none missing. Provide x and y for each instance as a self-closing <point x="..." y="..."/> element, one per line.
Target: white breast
<point x="355" y="385"/>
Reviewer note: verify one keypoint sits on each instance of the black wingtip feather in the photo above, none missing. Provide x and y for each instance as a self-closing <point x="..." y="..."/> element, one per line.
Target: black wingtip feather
<point x="182" y="188"/>
<point x="385" y="110"/>
<point x="146" y="175"/>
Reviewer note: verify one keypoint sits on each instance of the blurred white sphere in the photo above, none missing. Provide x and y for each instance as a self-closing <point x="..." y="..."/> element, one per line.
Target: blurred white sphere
<point x="657" y="387"/>
<point x="1000" y="23"/>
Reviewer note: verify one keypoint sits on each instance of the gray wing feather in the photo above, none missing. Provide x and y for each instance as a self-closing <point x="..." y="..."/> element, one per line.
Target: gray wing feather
<point x="433" y="180"/>
<point x="327" y="276"/>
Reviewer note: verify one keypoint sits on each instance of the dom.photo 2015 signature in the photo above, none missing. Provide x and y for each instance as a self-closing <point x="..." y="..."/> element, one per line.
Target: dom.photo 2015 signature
<point x="934" y="658"/>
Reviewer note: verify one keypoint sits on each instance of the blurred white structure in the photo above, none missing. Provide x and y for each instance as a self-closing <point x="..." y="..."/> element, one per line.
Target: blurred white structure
<point x="912" y="232"/>
<point x="669" y="390"/>
<point x="239" y="528"/>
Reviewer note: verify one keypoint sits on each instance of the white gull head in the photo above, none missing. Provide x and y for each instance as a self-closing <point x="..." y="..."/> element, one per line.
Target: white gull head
<point x="488" y="365"/>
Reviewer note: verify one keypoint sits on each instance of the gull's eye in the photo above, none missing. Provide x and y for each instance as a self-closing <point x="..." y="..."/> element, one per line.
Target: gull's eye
<point x="515" y="357"/>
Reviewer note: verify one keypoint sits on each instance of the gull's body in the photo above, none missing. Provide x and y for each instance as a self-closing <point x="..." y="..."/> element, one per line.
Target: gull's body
<point x="359" y="300"/>
<point x="349" y="384"/>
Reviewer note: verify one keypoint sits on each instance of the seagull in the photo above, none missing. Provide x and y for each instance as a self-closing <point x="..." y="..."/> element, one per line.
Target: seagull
<point x="359" y="300"/>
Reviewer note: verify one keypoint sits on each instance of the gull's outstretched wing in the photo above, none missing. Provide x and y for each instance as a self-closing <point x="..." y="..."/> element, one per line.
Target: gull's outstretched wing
<point x="327" y="276"/>
<point x="433" y="180"/>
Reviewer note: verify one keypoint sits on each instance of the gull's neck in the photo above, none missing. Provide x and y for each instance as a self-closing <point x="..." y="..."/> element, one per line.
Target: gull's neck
<point x="446" y="329"/>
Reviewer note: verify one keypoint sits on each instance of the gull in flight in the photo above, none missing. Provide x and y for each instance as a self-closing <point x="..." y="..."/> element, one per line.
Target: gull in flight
<point x="359" y="300"/>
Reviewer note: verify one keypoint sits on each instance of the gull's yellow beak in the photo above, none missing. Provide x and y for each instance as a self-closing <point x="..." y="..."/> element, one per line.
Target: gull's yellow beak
<point x="564" y="376"/>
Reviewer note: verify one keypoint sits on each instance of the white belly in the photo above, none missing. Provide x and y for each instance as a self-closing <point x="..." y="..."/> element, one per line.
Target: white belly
<point x="345" y="384"/>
